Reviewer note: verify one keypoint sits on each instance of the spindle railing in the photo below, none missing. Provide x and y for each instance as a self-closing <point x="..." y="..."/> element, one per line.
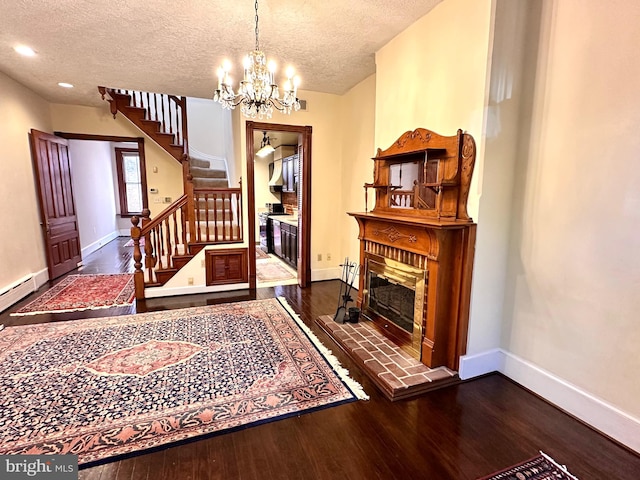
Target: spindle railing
<point x="199" y="217"/>
<point x="161" y="116"/>
<point x="170" y="111"/>
<point x="218" y="215"/>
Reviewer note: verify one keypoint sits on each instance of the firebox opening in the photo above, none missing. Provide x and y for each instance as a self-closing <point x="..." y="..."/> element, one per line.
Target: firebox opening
<point x="395" y="299"/>
<point x="392" y="300"/>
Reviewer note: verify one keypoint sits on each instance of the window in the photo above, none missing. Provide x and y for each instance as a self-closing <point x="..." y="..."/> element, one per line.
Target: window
<point x="131" y="181"/>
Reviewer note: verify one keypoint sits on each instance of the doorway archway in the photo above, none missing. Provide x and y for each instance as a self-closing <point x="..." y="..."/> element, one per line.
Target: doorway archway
<point x="304" y="196"/>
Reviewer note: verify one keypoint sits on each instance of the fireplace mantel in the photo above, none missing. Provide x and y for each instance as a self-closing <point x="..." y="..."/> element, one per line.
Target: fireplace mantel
<point x="420" y="220"/>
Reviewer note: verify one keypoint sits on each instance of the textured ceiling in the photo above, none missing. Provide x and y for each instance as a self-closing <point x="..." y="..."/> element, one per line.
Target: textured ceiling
<point x="176" y="46"/>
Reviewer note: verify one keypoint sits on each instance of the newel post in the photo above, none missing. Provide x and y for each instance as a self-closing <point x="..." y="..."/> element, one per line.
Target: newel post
<point x="138" y="274"/>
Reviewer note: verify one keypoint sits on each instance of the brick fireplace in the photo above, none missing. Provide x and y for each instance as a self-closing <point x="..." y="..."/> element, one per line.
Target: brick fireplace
<point x="417" y="246"/>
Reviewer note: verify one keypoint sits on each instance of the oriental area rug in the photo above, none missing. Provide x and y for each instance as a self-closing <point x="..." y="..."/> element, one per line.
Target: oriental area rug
<point x="101" y="389"/>
<point x="83" y="292"/>
<point x="542" y="467"/>
<point x="271" y="271"/>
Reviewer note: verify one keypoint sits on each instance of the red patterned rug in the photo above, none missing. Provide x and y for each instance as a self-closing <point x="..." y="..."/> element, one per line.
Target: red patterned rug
<point x="83" y="292"/>
<point x="542" y="467"/>
<point x="135" y="382"/>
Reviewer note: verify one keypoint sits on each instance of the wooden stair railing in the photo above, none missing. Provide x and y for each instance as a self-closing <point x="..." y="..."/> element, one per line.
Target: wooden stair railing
<point x="202" y="216"/>
<point x="162" y="117"/>
<point x="198" y="218"/>
<point x="165" y="239"/>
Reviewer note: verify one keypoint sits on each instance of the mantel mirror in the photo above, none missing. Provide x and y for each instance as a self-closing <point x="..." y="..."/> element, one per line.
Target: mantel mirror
<point x="413" y="182"/>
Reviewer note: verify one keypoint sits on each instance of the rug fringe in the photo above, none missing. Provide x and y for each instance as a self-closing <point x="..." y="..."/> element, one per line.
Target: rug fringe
<point x="342" y="372"/>
<point x="563" y="468"/>
<point x="69" y="310"/>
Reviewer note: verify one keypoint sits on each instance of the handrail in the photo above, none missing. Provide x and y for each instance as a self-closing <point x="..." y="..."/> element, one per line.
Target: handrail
<point x="162" y="216"/>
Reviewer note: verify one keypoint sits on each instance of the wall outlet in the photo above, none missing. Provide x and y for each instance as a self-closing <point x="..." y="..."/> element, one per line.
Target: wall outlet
<point x="319" y="257"/>
<point x="157" y="200"/>
<point x="328" y="257"/>
<point x="190" y="281"/>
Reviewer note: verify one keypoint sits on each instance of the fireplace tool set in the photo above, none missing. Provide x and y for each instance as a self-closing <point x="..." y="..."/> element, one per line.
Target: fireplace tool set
<point x="350" y="271"/>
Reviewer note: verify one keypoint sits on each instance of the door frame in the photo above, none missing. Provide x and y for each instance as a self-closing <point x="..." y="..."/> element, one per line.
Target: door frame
<point x="116" y="139"/>
<point x="304" y="233"/>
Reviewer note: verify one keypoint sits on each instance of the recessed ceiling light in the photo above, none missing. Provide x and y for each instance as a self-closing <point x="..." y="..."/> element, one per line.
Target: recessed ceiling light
<point x="24" y="50"/>
<point x="65" y="85"/>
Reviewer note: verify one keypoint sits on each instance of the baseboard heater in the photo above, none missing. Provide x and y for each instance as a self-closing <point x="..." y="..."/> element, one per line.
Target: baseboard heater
<point x="16" y="291"/>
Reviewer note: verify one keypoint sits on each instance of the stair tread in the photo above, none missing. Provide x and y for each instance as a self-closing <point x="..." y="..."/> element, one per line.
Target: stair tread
<point x="200" y="172"/>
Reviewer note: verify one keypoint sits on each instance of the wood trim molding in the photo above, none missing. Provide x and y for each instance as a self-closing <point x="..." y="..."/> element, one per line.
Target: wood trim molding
<point x="304" y="233"/>
<point x="103" y="138"/>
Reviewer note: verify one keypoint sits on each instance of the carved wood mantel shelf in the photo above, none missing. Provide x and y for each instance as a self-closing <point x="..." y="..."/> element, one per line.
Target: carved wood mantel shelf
<point x="419" y="236"/>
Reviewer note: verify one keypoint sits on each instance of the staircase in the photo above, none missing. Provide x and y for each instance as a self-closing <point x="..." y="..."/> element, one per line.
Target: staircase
<point x="209" y="212"/>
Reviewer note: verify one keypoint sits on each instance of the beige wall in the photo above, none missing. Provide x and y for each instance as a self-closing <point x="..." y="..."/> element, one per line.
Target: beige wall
<point x="323" y="115"/>
<point x="93" y="192"/>
<point x="21" y="247"/>
<point x="99" y="121"/>
<point x="357" y="126"/>
<point x="574" y="274"/>
<point x="434" y="75"/>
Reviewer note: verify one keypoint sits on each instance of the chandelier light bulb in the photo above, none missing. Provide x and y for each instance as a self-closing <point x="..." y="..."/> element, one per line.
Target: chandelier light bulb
<point x="290" y="71"/>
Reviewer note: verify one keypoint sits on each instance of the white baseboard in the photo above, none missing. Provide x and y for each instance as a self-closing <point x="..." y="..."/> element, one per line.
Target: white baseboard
<point x="157" y="292"/>
<point x="99" y="243"/>
<point x="481" y="364"/>
<point x="124" y="232"/>
<point x="40" y="278"/>
<point x="19" y="289"/>
<point x="318" y="275"/>
<point x="601" y="415"/>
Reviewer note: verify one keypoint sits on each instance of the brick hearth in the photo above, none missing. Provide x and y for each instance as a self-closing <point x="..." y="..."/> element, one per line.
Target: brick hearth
<point x="397" y="374"/>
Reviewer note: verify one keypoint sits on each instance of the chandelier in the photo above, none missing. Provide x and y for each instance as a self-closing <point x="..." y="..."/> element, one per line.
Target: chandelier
<point x="258" y="94"/>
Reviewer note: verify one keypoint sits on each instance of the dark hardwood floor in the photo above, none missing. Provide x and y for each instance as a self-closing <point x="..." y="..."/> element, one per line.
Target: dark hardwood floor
<point x="459" y="432"/>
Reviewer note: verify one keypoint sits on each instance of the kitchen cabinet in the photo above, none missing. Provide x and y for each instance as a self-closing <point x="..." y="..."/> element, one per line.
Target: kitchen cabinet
<point x="284" y="238"/>
<point x="290" y="173"/>
<point x="290" y="244"/>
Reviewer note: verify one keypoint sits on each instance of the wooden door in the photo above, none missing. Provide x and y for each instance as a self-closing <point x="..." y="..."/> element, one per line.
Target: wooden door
<point x="58" y="213"/>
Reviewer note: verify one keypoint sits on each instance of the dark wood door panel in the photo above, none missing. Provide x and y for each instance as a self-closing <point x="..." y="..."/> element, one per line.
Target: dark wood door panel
<point x="60" y="227"/>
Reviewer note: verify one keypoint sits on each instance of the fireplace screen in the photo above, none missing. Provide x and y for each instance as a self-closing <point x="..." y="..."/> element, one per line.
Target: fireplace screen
<point x="395" y="298"/>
